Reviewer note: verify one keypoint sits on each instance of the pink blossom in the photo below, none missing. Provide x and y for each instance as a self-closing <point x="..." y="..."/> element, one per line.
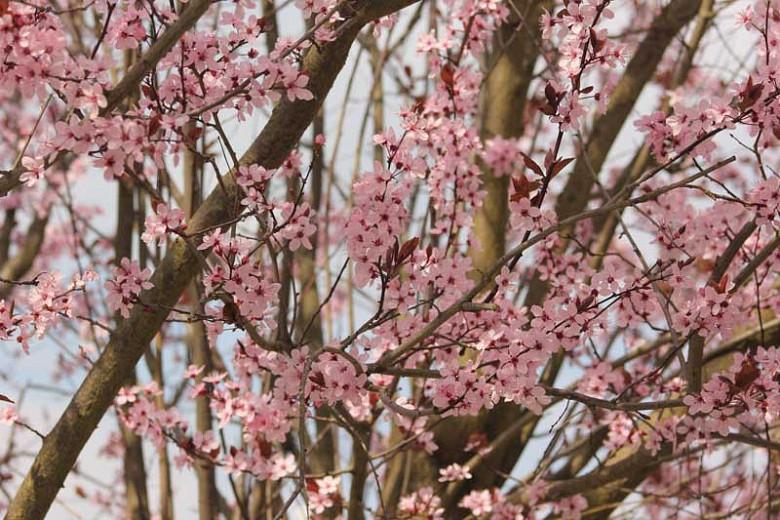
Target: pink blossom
<point x="571" y="508"/>
<point x="161" y="222"/>
<point x="454" y="472"/>
<point x="125" y="286"/>
<point x="478" y="502"/>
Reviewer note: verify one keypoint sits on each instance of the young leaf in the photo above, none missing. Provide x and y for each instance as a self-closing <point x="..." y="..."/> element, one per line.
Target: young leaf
<point x="530" y="163"/>
<point x="559" y="165"/>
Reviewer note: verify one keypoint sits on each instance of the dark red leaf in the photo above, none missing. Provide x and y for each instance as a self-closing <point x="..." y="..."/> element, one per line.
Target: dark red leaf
<point x="559" y="165"/>
<point x="747" y="374"/>
<point x="154" y="125"/>
<point x="548" y="109"/>
<point x="521" y="186"/>
<point x="195" y="133"/>
<point x="317" y="378"/>
<point x="530" y="163"/>
<point x="265" y="448"/>
<point x="390" y="255"/>
<point x="751" y="94"/>
<point x="584" y="304"/>
<point x="548" y="159"/>
<point x="408" y="248"/>
<point x="594" y="40"/>
<point x="551" y="94"/>
<point x="448" y="75"/>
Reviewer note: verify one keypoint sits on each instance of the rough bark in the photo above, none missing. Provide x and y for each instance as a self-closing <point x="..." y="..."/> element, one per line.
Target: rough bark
<point x="16" y="267"/>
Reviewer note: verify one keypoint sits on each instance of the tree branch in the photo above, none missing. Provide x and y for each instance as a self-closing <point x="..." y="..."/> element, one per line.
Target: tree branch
<point x="287" y="123"/>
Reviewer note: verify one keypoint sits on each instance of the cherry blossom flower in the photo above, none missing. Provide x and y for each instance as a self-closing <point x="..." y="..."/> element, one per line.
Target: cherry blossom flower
<point x="161" y="222"/>
<point x="454" y="472"/>
<point x="125" y="286"/>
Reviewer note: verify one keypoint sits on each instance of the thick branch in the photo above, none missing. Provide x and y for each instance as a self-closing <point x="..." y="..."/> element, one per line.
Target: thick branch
<point x="286" y="125"/>
<point x="17" y="266"/>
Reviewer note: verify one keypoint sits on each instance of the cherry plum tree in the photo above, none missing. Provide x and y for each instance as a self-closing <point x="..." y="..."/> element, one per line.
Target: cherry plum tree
<point x="399" y="259"/>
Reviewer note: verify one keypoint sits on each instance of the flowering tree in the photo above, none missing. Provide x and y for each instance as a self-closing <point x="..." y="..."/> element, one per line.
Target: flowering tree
<point x="546" y="284"/>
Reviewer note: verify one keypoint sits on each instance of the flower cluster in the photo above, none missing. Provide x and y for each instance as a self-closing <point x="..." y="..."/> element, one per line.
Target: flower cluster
<point x="164" y="220"/>
<point x="378" y="218"/>
<point x="126" y="284"/>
